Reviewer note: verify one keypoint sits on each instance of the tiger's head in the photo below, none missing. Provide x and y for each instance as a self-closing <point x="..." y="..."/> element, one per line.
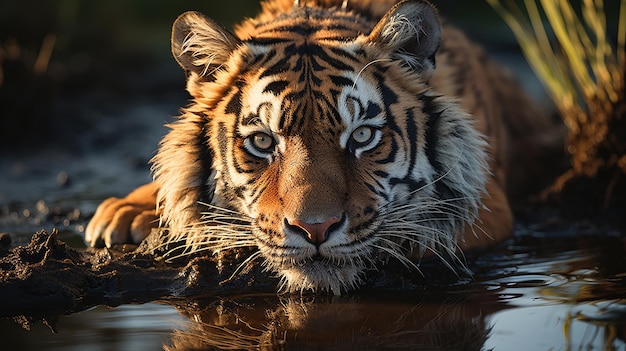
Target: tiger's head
<point x="315" y="138"/>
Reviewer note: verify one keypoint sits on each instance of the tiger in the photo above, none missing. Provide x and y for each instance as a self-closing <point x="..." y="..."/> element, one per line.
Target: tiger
<point x="329" y="137"/>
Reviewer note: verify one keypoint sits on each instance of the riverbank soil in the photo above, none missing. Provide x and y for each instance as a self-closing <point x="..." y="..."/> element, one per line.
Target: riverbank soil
<point x="594" y="186"/>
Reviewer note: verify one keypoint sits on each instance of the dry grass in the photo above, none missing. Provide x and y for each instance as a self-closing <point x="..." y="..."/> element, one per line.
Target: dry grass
<point x="582" y="66"/>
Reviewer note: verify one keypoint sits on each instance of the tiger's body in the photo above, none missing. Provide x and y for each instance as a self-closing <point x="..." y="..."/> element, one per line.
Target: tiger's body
<point x="330" y="135"/>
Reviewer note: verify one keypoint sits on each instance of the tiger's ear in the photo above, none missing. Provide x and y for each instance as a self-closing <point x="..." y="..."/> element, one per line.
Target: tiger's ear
<point x="200" y="45"/>
<point x="412" y="32"/>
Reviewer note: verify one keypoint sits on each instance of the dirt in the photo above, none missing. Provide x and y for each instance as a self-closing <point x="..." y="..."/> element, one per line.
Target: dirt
<point x="47" y="278"/>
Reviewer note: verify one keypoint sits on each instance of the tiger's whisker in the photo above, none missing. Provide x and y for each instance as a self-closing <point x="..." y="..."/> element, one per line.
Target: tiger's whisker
<point x="365" y="67"/>
<point x="248" y="260"/>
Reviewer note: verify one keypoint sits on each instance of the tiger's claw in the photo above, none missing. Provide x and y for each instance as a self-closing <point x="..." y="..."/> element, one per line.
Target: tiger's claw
<point x="124" y="220"/>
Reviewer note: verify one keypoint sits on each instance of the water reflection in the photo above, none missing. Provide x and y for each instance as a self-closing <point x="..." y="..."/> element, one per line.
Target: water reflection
<point x="399" y="322"/>
<point x="535" y="293"/>
<point x="127" y="327"/>
<point x="565" y="293"/>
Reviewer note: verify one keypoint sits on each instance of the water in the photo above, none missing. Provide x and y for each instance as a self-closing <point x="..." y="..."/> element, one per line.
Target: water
<point x="128" y="327"/>
<point x="563" y="293"/>
<point x="539" y="291"/>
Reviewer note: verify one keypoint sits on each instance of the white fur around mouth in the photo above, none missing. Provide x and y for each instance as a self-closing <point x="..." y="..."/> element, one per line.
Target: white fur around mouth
<point x="320" y="275"/>
<point x="331" y="268"/>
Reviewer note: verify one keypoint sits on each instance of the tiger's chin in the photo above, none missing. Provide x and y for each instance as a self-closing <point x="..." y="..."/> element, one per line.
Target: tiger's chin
<point x="335" y="266"/>
<point x="319" y="275"/>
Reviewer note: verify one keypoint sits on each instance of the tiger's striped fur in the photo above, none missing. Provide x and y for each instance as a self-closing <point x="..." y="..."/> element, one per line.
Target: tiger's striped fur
<point x="321" y="134"/>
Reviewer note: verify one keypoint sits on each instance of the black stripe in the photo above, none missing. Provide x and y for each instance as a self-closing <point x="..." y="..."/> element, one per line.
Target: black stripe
<point x="364" y="225"/>
<point x="413" y="184"/>
<point x="316" y="50"/>
<point x="238" y="191"/>
<point x="234" y="105"/>
<point x="281" y="66"/>
<point x="343" y="54"/>
<point x="381" y="174"/>
<point x="300" y="118"/>
<point x="269" y="41"/>
<point x="206" y="164"/>
<point x="430" y="108"/>
<point x="391" y="157"/>
<point x="287" y="109"/>
<point x="303" y="30"/>
<point x="378" y="192"/>
<point x="331" y="110"/>
<point x="308" y="73"/>
<point x="411" y="133"/>
<point x="389" y="98"/>
<point x="251" y="119"/>
<point x="372" y="111"/>
<point x="276" y="87"/>
<point x="257" y="192"/>
<point x="238" y="167"/>
<point x="262" y="59"/>
<point x="432" y="126"/>
<point x="378" y="183"/>
<point x="341" y="81"/>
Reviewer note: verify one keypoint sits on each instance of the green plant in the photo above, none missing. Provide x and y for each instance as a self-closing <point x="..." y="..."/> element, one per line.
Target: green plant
<point x="572" y="53"/>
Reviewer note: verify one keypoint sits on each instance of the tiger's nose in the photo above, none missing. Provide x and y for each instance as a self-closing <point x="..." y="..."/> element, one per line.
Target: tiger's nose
<point x="315" y="233"/>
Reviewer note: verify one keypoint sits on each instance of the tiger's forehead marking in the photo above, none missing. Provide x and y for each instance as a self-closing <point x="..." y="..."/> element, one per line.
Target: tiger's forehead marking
<point x="360" y="102"/>
<point x="358" y="105"/>
<point x="262" y="107"/>
<point x="301" y="83"/>
<point x="314" y="24"/>
<point x="305" y="72"/>
<point x="355" y="102"/>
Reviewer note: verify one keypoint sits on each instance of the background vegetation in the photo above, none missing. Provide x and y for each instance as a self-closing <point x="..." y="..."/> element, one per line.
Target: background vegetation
<point x="581" y="59"/>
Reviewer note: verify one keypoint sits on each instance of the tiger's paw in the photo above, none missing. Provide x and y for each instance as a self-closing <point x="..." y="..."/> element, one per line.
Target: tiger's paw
<point x="124" y="220"/>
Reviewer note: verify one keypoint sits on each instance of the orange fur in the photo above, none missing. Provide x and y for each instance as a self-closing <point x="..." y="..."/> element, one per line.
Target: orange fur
<point x="427" y="170"/>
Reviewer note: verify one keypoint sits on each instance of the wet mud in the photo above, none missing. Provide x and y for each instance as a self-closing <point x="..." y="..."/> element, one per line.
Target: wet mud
<point x="48" y="278"/>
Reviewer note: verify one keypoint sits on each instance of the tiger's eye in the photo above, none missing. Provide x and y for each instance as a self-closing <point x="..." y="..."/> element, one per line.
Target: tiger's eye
<point x="362" y="134"/>
<point x="262" y="141"/>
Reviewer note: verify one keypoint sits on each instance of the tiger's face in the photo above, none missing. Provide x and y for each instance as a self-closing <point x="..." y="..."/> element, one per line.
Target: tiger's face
<point x="330" y="143"/>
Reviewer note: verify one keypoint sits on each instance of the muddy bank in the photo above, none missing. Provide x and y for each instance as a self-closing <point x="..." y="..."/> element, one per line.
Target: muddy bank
<point x="47" y="278"/>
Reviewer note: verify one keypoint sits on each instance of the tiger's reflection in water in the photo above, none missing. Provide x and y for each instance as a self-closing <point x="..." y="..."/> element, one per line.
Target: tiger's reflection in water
<point x="334" y="323"/>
